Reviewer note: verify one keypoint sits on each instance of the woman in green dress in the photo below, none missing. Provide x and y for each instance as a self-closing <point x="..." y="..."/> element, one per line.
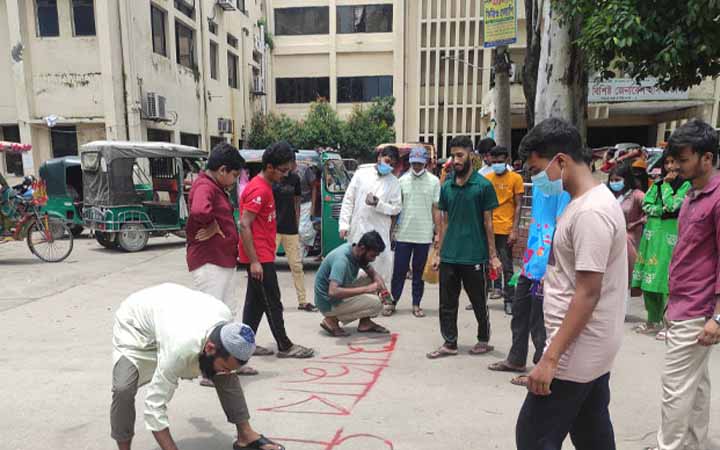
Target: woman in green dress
<point x="662" y="205"/>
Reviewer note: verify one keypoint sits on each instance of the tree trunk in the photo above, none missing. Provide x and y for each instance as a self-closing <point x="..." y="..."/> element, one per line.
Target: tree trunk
<point x="503" y="129"/>
<point x="533" y="11"/>
<point x="562" y="86"/>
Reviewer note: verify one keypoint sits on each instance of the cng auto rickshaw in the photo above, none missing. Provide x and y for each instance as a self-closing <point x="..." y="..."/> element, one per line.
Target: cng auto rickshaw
<point x="333" y="179"/>
<point x="133" y="190"/>
<point x="62" y="178"/>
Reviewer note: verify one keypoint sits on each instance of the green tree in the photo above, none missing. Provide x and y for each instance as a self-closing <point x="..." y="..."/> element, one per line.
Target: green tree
<point x="266" y="129"/>
<point x="676" y="42"/>
<point x="321" y="128"/>
<point x="366" y="128"/>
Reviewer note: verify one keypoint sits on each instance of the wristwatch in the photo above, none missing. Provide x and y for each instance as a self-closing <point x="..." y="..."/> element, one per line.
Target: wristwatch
<point x="717" y="319"/>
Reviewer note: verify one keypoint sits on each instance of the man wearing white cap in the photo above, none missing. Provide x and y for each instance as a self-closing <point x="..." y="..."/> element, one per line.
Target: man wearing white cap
<point x="166" y="333"/>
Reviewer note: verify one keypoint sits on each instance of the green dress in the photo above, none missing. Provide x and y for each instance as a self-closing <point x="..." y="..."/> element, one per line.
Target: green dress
<point x="656" y="247"/>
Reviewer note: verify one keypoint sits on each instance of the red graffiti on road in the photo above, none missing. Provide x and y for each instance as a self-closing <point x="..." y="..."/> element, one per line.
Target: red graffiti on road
<point x="342" y="382"/>
<point x="368" y="441"/>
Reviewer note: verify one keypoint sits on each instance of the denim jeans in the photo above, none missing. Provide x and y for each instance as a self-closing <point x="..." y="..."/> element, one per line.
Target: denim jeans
<point x="404" y="252"/>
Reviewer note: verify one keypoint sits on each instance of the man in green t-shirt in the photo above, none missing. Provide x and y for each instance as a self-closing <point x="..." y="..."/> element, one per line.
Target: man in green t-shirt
<point x="467" y="245"/>
<point x="343" y="297"/>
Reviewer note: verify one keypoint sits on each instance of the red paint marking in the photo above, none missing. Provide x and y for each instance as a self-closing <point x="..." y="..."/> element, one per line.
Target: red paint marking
<point x="347" y="374"/>
<point x="338" y="440"/>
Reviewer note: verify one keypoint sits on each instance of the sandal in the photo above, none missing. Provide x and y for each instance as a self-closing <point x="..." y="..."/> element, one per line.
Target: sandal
<point x="388" y="310"/>
<point x="334" y="332"/>
<point x="503" y="366"/>
<point x="296" y="351"/>
<point x="661" y="336"/>
<point x="257" y="445"/>
<point x="206" y="382"/>
<point x="521" y="381"/>
<point x="246" y="371"/>
<point x="481" y="349"/>
<point x="375" y="328"/>
<point x="262" y="351"/>
<point x="442" y="352"/>
<point x="418" y="312"/>
<point x="309" y="307"/>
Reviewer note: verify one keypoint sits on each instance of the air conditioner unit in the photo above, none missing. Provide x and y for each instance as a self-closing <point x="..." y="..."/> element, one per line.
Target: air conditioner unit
<point x="225" y="126"/>
<point x="155" y="107"/>
<point x="258" y="86"/>
<point x="227" y="5"/>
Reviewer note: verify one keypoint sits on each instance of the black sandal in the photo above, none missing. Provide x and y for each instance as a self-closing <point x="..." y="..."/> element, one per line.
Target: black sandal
<point x="257" y="445"/>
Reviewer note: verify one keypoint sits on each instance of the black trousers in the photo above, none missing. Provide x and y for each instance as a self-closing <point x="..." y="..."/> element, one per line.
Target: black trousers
<point x="504" y="251"/>
<point x="264" y="298"/>
<point x="454" y="277"/>
<point x="580" y="409"/>
<point x="527" y="320"/>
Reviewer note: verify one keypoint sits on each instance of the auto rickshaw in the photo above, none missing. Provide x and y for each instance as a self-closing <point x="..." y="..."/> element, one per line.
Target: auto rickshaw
<point x="62" y="178"/>
<point x="404" y="150"/>
<point x="334" y="180"/>
<point x="132" y="190"/>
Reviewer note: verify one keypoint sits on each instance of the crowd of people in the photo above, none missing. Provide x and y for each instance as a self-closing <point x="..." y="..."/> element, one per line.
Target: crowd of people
<point x="589" y="243"/>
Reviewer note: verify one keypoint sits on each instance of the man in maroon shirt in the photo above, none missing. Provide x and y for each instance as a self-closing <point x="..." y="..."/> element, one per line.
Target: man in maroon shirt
<point x="693" y="311"/>
<point x="258" y="231"/>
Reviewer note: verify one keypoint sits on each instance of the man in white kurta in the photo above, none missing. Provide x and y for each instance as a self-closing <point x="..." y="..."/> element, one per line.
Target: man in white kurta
<point x="166" y="333"/>
<point x="371" y="201"/>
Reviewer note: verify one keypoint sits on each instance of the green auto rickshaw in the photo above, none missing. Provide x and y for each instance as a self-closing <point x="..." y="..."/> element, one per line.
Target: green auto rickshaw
<point x="134" y="190"/>
<point x="62" y="178"/>
<point x="332" y="180"/>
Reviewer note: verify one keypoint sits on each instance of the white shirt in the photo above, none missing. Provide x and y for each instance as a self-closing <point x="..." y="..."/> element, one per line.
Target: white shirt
<point x="162" y="330"/>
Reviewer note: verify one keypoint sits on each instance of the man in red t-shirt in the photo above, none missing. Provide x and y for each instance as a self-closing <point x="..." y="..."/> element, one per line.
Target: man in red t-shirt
<point x="258" y="231"/>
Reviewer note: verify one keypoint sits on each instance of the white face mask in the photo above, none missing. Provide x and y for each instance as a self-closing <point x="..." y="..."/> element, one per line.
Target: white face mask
<point x="418" y="173"/>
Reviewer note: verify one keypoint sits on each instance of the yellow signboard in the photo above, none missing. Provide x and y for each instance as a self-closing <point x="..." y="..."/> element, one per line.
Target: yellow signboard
<point x="500" y="17"/>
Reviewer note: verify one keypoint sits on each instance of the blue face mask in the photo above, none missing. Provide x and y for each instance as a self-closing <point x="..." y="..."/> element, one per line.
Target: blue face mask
<point x="499" y="168"/>
<point x="617" y="186"/>
<point x="384" y="169"/>
<point x="546" y="185"/>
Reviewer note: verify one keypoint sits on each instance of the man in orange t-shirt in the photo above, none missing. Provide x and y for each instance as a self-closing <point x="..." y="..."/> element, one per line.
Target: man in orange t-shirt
<point x="509" y="189"/>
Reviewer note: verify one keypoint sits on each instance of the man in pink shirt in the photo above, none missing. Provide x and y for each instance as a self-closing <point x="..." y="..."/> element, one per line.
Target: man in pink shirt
<point x="693" y="311"/>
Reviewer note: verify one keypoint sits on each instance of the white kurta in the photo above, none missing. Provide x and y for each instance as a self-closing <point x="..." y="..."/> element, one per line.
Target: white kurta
<point x="357" y="217"/>
<point x="162" y="331"/>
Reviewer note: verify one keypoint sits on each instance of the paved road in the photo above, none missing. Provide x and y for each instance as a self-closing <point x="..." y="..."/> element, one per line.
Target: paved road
<point x="359" y="394"/>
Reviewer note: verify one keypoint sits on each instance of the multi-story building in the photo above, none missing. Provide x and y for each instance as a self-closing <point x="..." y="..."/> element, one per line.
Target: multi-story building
<point x="429" y="54"/>
<point x="183" y="71"/>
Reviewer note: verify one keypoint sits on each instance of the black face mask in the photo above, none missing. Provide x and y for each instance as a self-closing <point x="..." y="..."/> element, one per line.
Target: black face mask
<point x="206" y="365"/>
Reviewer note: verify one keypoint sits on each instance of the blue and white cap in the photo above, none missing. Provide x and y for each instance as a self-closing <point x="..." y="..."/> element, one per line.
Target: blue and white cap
<point x="238" y="339"/>
<point x="418" y="155"/>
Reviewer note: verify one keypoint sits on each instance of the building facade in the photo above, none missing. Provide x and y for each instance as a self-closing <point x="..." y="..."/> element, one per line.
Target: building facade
<point x="182" y="71"/>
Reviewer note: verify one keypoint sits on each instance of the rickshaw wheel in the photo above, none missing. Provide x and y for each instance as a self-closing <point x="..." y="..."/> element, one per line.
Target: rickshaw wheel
<point x="53" y="248"/>
<point x="132" y="237"/>
<point x="76" y="230"/>
<point x="107" y="240"/>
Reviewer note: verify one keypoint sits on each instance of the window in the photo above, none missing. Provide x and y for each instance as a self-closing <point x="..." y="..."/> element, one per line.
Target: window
<point x="158" y="21"/>
<point x="47" y="18"/>
<point x="302" y="90"/>
<point x="232" y="41"/>
<point x="13" y="160"/>
<point x="232" y="70"/>
<point x="213" y="60"/>
<point x="83" y="17"/>
<point x="365" y="19"/>
<point x="185" y="45"/>
<point x="215" y="140"/>
<point x="185" y="7"/>
<point x="64" y="141"/>
<point x="193" y="140"/>
<point x="155" y="135"/>
<point x="364" y="89"/>
<point x="241" y="6"/>
<point x="213" y="27"/>
<point x="298" y="21"/>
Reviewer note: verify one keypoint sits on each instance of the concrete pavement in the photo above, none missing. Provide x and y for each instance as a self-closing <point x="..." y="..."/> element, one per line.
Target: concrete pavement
<point x="359" y="393"/>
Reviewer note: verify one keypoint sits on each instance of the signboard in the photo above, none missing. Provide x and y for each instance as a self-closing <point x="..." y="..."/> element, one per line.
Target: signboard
<point x="628" y="90"/>
<point x="500" y="23"/>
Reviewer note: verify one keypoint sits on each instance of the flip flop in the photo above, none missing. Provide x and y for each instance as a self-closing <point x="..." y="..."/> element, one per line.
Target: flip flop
<point x="257" y="445"/>
<point x="388" y="310"/>
<point x="309" y="307"/>
<point x="469" y="307"/>
<point x="297" y="351"/>
<point x="502" y="366"/>
<point x="442" y="352"/>
<point x="246" y="371"/>
<point x="418" y="312"/>
<point x="262" y="351"/>
<point x="521" y="381"/>
<point x="337" y="332"/>
<point x="375" y="329"/>
<point x="481" y="349"/>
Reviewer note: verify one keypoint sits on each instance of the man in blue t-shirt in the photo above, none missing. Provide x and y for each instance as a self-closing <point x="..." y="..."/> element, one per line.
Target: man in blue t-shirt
<point x="343" y="297"/>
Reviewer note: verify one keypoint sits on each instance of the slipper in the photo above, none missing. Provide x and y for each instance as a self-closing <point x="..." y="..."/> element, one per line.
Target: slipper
<point x="442" y="352"/>
<point x="521" y="381"/>
<point x="503" y="366"/>
<point x="246" y="371"/>
<point x="661" y="336"/>
<point x="262" y="351"/>
<point x="418" y="312"/>
<point x="296" y="351"/>
<point x="337" y="332"/>
<point x="481" y="349"/>
<point x="257" y="445"/>
<point x="375" y="329"/>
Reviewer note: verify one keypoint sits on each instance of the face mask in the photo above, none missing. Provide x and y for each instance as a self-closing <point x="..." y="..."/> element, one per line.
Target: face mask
<point x="384" y="169"/>
<point x="617" y="186"/>
<point x="418" y="173"/>
<point x="546" y="185"/>
<point x="499" y="168"/>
